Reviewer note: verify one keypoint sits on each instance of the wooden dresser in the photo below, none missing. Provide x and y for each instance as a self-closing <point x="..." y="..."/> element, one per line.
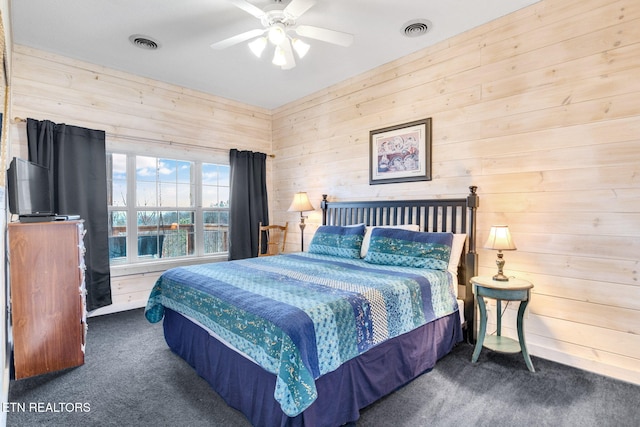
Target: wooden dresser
<point x="48" y="312"/>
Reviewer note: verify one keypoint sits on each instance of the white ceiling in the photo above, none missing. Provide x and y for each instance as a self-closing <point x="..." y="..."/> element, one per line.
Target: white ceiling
<point x="97" y="31"/>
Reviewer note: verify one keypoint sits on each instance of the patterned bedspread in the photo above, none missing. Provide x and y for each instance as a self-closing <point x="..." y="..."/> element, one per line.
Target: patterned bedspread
<point x="302" y="315"/>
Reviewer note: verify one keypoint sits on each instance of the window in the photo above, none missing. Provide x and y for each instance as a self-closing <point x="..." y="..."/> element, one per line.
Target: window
<point x="162" y="208"/>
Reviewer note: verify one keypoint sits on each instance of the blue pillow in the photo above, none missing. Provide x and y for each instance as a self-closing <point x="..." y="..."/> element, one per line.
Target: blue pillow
<point x="344" y="242"/>
<point x="391" y="246"/>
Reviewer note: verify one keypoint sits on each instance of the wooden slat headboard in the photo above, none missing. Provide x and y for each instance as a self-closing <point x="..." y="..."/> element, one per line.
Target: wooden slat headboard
<point x="434" y="215"/>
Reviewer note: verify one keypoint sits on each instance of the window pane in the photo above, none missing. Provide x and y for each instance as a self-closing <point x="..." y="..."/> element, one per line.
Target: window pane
<point x="146" y="194"/>
<point x="215" y="185"/>
<point x="166" y="170"/>
<point x="178" y="234"/>
<point x="223" y="175"/>
<point x="183" y="170"/>
<point x="186" y="218"/>
<point x="146" y="180"/>
<point x="146" y="168"/>
<point x="184" y="195"/>
<point x="168" y="220"/>
<point x="117" y="179"/>
<point x="223" y="197"/>
<point x="216" y="228"/>
<point x="167" y="194"/>
<point x="148" y="235"/>
<point x="209" y="174"/>
<point x="117" y="237"/>
<point x="209" y="195"/>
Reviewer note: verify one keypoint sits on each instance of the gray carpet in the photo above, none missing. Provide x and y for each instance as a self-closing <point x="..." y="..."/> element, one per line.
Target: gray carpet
<point x="130" y="377"/>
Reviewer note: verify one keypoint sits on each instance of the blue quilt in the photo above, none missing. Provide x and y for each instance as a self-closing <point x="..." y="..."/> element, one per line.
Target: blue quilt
<point x="301" y="315"/>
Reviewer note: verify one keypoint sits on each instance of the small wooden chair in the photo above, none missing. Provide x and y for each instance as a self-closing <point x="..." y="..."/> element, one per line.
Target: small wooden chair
<point x="276" y="236"/>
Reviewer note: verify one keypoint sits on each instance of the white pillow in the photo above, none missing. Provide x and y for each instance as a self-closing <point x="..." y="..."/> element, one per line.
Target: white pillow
<point x="367" y="234"/>
<point x="457" y="246"/>
<point x="456" y="252"/>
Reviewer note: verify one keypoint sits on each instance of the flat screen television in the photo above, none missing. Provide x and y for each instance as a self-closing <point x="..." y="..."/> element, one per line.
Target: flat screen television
<point x="28" y="189"/>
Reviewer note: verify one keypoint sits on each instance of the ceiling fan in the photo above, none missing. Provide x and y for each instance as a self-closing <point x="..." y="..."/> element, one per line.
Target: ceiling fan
<point x="278" y="23"/>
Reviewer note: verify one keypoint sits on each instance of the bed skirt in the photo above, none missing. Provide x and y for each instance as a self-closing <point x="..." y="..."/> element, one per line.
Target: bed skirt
<point x="356" y="384"/>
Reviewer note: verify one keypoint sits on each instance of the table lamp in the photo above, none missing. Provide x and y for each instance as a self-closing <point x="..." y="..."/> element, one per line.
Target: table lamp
<point x="500" y="240"/>
<point x="301" y="204"/>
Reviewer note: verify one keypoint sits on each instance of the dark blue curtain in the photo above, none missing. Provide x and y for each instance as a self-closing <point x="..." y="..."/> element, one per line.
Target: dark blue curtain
<point x="76" y="159"/>
<point x="247" y="202"/>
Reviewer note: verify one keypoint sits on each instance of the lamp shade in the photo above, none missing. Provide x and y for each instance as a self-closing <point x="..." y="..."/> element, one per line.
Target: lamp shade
<point x="300" y="47"/>
<point x="300" y="203"/>
<point x="277" y="34"/>
<point x="278" y="57"/>
<point x="258" y="45"/>
<point x="500" y="239"/>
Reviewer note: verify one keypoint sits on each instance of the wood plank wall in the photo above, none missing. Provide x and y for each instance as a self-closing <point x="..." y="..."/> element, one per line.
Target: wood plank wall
<point x="540" y="110"/>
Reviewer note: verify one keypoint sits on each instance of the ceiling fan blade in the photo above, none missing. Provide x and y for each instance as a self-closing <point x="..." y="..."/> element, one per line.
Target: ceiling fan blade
<point x="223" y="44"/>
<point x="248" y="7"/>
<point x="288" y="54"/>
<point x="296" y="8"/>
<point x="325" y="35"/>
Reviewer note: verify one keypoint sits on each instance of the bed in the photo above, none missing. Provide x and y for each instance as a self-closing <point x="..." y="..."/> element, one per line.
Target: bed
<point x="311" y="338"/>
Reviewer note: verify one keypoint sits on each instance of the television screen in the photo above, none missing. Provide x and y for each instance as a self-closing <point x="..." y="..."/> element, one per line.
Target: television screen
<point x="28" y="188"/>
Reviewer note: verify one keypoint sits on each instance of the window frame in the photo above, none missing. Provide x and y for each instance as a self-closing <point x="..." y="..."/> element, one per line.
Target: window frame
<point x="133" y="265"/>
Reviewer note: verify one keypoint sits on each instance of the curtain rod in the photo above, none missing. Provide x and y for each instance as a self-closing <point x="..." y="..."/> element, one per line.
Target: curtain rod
<point x="136" y="138"/>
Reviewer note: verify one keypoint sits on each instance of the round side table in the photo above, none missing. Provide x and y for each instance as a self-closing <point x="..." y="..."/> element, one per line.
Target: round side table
<point x="512" y="290"/>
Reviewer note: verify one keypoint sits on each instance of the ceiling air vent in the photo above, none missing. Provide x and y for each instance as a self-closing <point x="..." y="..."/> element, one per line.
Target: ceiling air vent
<point x="416" y="27"/>
<point x="144" y="42"/>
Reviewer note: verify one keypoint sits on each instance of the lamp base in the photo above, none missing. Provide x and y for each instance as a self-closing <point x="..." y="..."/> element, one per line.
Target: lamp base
<point x="500" y="277"/>
<point x="302" y="225"/>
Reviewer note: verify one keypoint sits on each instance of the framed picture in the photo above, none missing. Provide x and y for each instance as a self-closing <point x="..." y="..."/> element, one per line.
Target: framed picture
<point x="400" y="153"/>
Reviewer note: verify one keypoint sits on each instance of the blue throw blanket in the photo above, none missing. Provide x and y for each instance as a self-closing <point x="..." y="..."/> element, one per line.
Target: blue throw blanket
<point x="300" y="316"/>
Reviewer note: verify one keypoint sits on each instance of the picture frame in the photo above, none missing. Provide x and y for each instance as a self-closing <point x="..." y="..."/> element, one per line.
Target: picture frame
<point x="400" y="153"/>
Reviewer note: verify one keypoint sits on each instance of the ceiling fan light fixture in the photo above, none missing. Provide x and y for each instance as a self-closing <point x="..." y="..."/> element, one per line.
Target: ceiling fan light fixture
<point x="279" y="23"/>
<point x="258" y="45"/>
<point x="300" y="47"/>
<point x="278" y="57"/>
<point x="277" y="34"/>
